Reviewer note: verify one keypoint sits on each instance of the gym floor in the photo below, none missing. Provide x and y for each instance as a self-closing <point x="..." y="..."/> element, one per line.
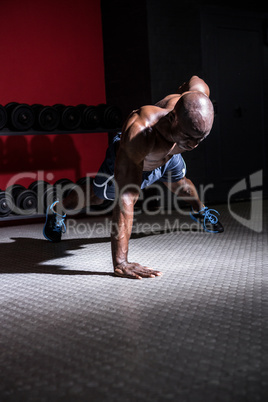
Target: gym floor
<point x="71" y="331"/>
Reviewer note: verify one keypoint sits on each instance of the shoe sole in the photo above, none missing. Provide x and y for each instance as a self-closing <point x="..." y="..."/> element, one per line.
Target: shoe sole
<point x="201" y="224"/>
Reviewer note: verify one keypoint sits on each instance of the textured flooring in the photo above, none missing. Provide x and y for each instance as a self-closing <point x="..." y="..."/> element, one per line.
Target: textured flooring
<point x="71" y="331"/>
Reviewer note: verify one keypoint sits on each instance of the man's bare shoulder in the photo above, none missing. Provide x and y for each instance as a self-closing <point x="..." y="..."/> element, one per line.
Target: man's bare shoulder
<point x="138" y="134"/>
<point x="169" y="101"/>
<point x="142" y="119"/>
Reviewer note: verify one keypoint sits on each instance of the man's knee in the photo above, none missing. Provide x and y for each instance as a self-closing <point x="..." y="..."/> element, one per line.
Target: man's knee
<point x="95" y="200"/>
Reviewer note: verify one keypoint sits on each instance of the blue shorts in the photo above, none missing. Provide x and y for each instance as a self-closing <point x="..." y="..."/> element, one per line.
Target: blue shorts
<point x="104" y="186"/>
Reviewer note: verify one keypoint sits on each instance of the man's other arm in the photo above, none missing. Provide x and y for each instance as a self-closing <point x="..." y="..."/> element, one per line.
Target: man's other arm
<point x="194" y="84"/>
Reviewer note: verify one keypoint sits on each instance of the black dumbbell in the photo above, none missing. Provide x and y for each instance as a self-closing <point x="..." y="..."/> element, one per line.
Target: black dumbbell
<point x="58" y="191"/>
<point x="63" y="187"/>
<point x="85" y="183"/>
<point x="70" y="117"/>
<point x="9" y="108"/>
<point x="55" y="192"/>
<point x="24" y="200"/>
<point x="91" y="116"/>
<point x="84" y="180"/>
<point x="5" y="204"/>
<point x="3" y="117"/>
<point x="47" y="118"/>
<point x="39" y="187"/>
<point x="20" y="117"/>
<point x="111" y="116"/>
<point x="49" y="196"/>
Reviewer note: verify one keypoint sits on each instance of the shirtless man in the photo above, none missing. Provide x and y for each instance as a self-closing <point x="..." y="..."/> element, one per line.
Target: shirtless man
<point x="149" y="149"/>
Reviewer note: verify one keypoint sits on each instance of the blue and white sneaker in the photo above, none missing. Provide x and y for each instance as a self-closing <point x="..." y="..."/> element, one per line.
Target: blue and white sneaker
<point x="207" y="218"/>
<point x="55" y="225"/>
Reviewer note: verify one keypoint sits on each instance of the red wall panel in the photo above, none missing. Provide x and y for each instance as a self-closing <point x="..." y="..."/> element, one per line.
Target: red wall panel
<point x="51" y="52"/>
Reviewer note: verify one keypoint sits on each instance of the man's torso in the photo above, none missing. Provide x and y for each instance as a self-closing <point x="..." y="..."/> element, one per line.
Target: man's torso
<point x="140" y="135"/>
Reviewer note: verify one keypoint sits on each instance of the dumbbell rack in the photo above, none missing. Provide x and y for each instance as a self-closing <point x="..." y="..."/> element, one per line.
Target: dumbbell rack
<point x="6" y="132"/>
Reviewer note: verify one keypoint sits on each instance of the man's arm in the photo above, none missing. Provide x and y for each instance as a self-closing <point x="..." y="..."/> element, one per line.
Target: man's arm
<point x="194" y="84"/>
<point x="128" y="176"/>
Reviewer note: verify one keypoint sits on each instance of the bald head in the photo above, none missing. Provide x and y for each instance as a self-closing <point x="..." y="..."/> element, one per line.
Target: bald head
<point x="195" y="114"/>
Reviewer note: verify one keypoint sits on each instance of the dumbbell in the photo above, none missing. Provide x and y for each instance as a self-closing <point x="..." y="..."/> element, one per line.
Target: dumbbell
<point x="19" y="116"/>
<point x="91" y="116"/>
<point x="48" y="193"/>
<point x="48" y="197"/>
<point x="70" y="116"/>
<point x="23" y="199"/>
<point x="85" y="184"/>
<point x="62" y="182"/>
<point x="84" y="180"/>
<point x="39" y="187"/>
<point x="63" y="187"/>
<point x="47" y="118"/>
<point x="58" y="191"/>
<point x="111" y="116"/>
<point x="5" y="204"/>
<point x="3" y="117"/>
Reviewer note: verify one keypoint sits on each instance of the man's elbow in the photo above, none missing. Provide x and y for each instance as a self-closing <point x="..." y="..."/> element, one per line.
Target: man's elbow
<point x="197" y="84"/>
<point x="129" y="195"/>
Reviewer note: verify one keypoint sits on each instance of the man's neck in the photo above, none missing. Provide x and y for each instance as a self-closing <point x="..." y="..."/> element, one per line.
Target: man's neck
<point x="162" y="127"/>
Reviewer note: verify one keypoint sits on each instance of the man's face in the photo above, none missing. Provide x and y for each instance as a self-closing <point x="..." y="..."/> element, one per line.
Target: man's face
<point x="180" y="133"/>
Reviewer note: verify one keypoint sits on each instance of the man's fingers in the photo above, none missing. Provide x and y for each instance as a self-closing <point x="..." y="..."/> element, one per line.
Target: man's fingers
<point x="153" y="272"/>
<point x="131" y="275"/>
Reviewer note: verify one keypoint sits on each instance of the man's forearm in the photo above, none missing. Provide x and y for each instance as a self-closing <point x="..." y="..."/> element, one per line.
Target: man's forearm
<point x="122" y="225"/>
<point x="121" y="231"/>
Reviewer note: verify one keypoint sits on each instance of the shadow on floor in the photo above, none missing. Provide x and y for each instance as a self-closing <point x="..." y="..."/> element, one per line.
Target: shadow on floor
<point x="26" y="255"/>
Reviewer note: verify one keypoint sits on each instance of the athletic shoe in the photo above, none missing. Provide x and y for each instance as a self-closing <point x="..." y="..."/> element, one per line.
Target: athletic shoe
<point x="207" y="218"/>
<point x="54" y="225"/>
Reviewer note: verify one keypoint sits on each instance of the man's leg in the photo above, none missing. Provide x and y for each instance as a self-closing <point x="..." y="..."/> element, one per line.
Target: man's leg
<point x="81" y="198"/>
<point x="186" y="190"/>
<point x="208" y="218"/>
<point x="77" y="199"/>
<point x="102" y="189"/>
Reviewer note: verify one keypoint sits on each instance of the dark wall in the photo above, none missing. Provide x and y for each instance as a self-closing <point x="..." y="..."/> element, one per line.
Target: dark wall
<point x="174" y="45"/>
<point x="160" y="44"/>
<point x="151" y="46"/>
<point x="126" y="54"/>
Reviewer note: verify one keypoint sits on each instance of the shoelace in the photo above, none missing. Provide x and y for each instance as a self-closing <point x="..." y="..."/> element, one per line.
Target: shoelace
<point x="59" y="221"/>
<point x="209" y="216"/>
<point x="59" y="224"/>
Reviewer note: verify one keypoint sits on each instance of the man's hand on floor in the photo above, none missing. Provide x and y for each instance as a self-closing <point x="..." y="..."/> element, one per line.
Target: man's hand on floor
<point x="134" y="270"/>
